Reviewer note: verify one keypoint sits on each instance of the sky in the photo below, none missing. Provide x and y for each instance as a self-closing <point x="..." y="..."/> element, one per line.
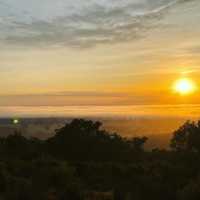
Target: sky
<point x="97" y="52"/>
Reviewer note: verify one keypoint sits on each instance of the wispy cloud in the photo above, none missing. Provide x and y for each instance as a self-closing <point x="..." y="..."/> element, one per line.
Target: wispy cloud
<point x="71" y="98"/>
<point x="195" y="49"/>
<point x="78" y="23"/>
<point x="71" y="94"/>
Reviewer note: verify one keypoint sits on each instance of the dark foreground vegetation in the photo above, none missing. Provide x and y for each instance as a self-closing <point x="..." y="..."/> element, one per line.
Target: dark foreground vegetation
<point x="84" y="162"/>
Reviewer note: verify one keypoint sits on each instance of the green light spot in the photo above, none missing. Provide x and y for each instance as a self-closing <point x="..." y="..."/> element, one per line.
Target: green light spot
<point x="15" y="121"/>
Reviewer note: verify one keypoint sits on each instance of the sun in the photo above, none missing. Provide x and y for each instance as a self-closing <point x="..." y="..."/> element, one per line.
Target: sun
<point x="184" y="86"/>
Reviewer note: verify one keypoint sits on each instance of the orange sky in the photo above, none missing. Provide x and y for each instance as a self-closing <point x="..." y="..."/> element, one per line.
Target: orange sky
<point x="135" y="64"/>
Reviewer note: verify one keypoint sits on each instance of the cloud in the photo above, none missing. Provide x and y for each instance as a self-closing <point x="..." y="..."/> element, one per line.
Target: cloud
<point x="195" y="49"/>
<point x="78" y="23"/>
<point x="64" y="98"/>
<point x="72" y="94"/>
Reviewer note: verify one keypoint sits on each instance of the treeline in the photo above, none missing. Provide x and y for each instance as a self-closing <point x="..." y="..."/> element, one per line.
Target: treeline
<point x="79" y="140"/>
<point x="83" y="161"/>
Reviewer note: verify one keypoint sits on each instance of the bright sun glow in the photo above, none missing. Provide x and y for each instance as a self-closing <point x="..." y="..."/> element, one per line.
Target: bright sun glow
<point x="184" y="86"/>
<point x="15" y="121"/>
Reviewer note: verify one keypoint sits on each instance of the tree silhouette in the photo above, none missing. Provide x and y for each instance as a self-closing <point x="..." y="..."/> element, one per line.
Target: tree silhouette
<point x="187" y="137"/>
<point x="86" y="140"/>
<point x="82" y="159"/>
<point x="138" y="143"/>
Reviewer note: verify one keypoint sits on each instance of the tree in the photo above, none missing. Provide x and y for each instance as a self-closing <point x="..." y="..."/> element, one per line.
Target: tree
<point x="16" y="145"/>
<point x="137" y="143"/>
<point x="191" y="191"/>
<point x="86" y="140"/>
<point x="187" y="137"/>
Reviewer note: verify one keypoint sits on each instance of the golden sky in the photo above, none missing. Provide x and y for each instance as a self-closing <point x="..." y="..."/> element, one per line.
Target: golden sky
<point x="98" y="53"/>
